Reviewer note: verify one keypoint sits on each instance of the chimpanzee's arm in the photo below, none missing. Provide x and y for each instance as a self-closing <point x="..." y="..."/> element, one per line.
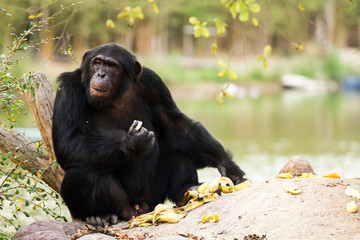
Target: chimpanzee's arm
<point x="185" y="136"/>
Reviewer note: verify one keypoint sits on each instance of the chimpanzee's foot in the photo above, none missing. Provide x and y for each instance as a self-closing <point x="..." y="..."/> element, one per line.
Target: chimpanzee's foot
<point x="194" y="187"/>
<point x="102" y="221"/>
<point x="142" y="207"/>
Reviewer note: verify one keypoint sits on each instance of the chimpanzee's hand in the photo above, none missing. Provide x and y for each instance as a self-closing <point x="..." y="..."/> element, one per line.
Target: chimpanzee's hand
<point x="235" y="174"/>
<point x="138" y="141"/>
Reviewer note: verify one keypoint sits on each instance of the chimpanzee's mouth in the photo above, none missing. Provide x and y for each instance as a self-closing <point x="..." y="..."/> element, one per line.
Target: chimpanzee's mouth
<point x="98" y="92"/>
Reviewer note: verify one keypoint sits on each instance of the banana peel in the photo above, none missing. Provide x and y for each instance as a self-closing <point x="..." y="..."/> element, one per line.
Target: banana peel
<point x="352" y="192"/>
<point x="213" y="187"/>
<point x="161" y="214"/>
<point x="169" y="215"/>
<point x="242" y="185"/>
<point x="206" y="192"/>
<point x="294" y="190"/>
<point x="192" y="204"/>
<point x="226" y="185"/>
<point x="189" y="195"/>
<point x="210" y="218"/>
<point x="331" y="175"/>
<point x="308" y="175"/>
<point x="285" y="176"/>
<point x="143" y="220"/>
<point x="351" y="207"/>
<point x="161" y="208"/>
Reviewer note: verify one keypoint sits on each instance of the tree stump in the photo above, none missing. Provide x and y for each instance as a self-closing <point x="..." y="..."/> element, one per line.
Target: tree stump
<point x="41" y="106"/>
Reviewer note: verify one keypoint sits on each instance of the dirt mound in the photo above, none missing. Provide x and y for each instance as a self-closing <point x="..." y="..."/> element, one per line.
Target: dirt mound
<point x="318" y="212"/>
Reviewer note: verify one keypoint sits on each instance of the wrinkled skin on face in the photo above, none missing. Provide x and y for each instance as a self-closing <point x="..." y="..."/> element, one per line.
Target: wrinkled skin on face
<point x="105" y="72"/>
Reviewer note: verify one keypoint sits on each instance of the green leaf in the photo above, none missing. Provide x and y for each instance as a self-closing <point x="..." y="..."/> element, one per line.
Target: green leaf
<point x="124" y="13"/>
<point x="220" y="98"/>
<point x="110" y="23"/>
<point x="301" y="6"/>
<point x="244" y="15"/>
<point x="265" y="63"/>
<point x="214" y="48"/>
<point x="227" y="94"/>
<point x="255" y="8"/>
<point x="255" y="22"/>
<point x="197" y="32"/>
<point x="222" y="64"/>
<point x="232" y="10"/>
<point x="220" y="26"/>
<point x="267" y="50"/>
<point x="5" y="236"/>
<point x="232" y="75"/>
<point x="131" y="20"/>
<point x="194" y="21"/>
<point x="299" y="46"/>
<point x="137" y="12"/>
<point x="155" y="8"/>
<point x="222" y="73"/>
<point x="205" y="32"/>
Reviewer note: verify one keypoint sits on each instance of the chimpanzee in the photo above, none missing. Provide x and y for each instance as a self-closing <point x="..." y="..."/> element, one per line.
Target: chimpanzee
<point x="122" y="141"/>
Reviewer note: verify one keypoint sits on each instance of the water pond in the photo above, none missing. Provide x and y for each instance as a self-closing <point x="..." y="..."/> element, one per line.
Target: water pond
<point x="263" y="133"/>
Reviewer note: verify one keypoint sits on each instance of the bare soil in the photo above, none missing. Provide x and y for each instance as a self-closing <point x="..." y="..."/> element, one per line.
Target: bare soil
<point x="318" y="212"/>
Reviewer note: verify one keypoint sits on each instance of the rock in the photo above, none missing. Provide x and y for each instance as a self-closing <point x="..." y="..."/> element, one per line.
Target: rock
<point x="96" y="236"/>
<point x="296" y="166"/>
<point x="48" y="230"/>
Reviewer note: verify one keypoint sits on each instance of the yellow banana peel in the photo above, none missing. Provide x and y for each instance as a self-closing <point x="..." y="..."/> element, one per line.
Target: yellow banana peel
<point x="212" y="187"/>
<point x="293" y="190"/>
<point x="192" y="205"/>
<point x="161" y="208"/>
<point x="308" y="175"/>
<point x="226" y="185"/>
<point x="210" y="218"/>
<point x="189" y="195"/>
<point x="351" y="207"/>
<point x="169" y="217"/>
<point x="143" y="220"/>
<point x="203" y="187"/>
<point x="209" y="197"/>
<point x="352" y="192"/>
<point x="284" y="176"/>
<point x="242" y="185"/>
<point x="331" y="175"/>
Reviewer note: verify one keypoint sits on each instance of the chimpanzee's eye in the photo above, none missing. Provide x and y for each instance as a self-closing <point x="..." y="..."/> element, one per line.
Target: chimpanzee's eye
<point x="97" y="63"/>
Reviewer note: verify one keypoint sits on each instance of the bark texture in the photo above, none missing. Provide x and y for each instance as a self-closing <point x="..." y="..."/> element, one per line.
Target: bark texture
<point x="41" y="106"/>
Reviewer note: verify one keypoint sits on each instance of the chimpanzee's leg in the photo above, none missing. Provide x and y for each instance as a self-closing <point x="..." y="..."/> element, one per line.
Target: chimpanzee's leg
<point x="98" y="198"/>
<point x="182" y="175"/>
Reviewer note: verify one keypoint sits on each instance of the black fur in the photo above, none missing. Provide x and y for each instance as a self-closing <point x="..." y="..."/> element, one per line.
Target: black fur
<point x="110" y="169"/>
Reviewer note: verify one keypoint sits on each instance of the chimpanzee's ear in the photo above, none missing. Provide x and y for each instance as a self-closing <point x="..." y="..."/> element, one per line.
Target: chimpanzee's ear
<point x="86" y="55"/>
<point x="138" y="70"/>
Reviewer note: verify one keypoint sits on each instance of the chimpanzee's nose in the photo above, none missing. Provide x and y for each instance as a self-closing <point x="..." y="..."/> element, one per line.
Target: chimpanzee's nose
<point x="101" y="74"/>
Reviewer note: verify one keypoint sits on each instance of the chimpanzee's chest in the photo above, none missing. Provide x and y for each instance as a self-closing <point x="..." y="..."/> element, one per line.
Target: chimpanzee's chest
<point x="121" y="116"/>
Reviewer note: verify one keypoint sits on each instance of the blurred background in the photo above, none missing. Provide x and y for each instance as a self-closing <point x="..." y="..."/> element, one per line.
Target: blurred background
<point x="304" y="100"/>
